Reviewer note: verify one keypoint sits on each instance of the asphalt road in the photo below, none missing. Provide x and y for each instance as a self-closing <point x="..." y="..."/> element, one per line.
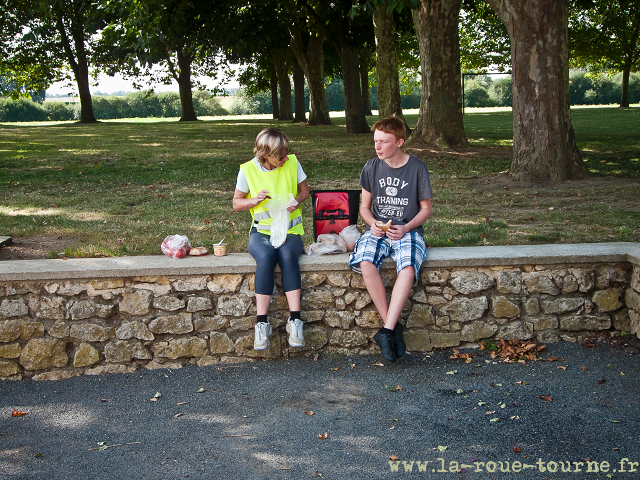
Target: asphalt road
<point x="481" y="420"/>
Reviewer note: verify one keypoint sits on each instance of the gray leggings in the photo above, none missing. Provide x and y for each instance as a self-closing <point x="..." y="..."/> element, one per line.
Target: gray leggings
<point x="267" y="258"/>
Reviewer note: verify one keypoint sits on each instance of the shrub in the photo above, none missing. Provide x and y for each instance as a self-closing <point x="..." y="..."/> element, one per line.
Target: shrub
<point x="21" y="110"/>
<point x="475" y="95"/>
<point x="58" y="111"/>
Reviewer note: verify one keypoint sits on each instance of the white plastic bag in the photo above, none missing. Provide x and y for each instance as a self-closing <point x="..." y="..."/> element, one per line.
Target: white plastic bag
<point x="280" y="218"/>
<point x="176" y="246"/>
<point x="327" y="244"/>
<point x="350" y="235"/>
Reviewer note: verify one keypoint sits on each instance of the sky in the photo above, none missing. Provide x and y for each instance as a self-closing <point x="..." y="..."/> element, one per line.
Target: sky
<point x="107" y="85"/>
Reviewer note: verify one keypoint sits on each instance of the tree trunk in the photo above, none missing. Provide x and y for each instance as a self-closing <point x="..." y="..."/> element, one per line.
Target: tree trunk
<point x="544" y="146"/>
<point x="79" y="66"/>
<point x="626" y="71"/>
<point x="364" y="81"/>
<point x="354" y="111"/>
<point x="440" y="121"/>
<point x="386" y="64"/>
<point x="273" y="82"/>
<point x="282" y="65"/>
<point x="311" y="60"/>
<point x="184" y="87"/>
<point x="298" y="91"/>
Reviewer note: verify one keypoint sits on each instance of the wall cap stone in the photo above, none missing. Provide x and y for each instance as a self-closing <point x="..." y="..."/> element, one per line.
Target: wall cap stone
<point x="151" y="265"/>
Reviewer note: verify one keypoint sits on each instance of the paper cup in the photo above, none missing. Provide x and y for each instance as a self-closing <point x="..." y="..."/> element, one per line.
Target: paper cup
<point x="220" y="250"/>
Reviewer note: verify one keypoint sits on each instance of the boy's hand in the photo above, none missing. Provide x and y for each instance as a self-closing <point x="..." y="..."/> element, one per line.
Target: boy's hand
<point x="396" y="232"/>
<point x="376" y="231"/>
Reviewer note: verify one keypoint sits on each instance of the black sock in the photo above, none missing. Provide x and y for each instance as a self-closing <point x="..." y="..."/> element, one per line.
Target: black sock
<point x="263" y="319"/>
<point x="294" y="315"/>
<point x="386" y="331"/>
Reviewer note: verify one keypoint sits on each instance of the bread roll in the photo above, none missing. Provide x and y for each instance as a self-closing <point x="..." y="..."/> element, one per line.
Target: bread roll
<point x="383" y="226"/>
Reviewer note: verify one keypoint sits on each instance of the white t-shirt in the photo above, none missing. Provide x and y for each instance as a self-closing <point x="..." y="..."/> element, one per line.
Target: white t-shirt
<point x="243" y="185"/>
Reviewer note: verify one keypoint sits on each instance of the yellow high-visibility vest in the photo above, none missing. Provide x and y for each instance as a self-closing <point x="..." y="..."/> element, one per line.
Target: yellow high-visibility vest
<point x="280" y="181"/>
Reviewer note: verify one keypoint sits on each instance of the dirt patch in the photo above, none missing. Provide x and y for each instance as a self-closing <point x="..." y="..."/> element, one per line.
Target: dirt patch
<point x="36" y="247"/>
<point x="491" y="153"/>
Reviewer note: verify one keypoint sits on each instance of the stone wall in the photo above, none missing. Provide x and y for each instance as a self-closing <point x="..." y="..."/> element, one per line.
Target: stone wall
<point x="90" y="316"/>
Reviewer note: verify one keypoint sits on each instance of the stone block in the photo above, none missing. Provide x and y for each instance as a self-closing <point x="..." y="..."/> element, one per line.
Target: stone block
<point x="244" y="347"/>
<point x="514" y="331"/>
<point x="613" y="276"/>
<point x="243" y="323"/>
<point x="224" y="283"/>
<point x="59" y="329"/>
<point x="317" y="298"/>
<point x="502" y="307"/>
<point x="234" y="305"/>
<point x="531" y="306"/>
<point x="634" y="322"/>
<point x="474" y="331"/>
<point x="420" y="316"/>
<point x="220" y="343"/>
<point x="586" y="279"/>
<point x="123" y="351"/>
<point x="56" y="375"/>
<point x="90" y="332"/>
<point x="13" y="308"/>
<point x="136" y="330"/>
<point x="210" y="324"/>
<point x="157" y="290"/>
<point x="434" y="277"/>
<point x="136" y="303"/>
<point x="537" y="283"/>
<point x="11" y="350"/>
<point x="110" y="368"/>
<point x="472" y="282"/>
<point x="86" y="355"/>
<point x="315" y="338"/>
<point x="348" y="339"/>
<point x="608" y="300"/>
<point x="310" y="280"/>
<point x="544" y="323"/>
<point x="368" y="319"/>
<point x="312" y="316"/>
<point x="107" y="284"/>
<point x="174" y="324"/>
<point x="576" y="323"/>
<point x="362" y="300"/>
<point x="417" y="340"/>
<point x="82" y="309"/>
<point x="561" y="305"/>
<point x="169" y="303"/>
<point x="8" y="368"/>
<point x="631" y="298"/>
<point x="464" y="309"/>
<point x="70" y="289"/>
<point x="190" y="284"/>
<point x="199" y="304"/>
<point x="343" y="320"/>
<point x="445" y="339"/>
<point x="509" y="282"/>
<point x="31" y="329"/>
<point x="635" y="279"/>
<point x="622" y="321"/>
<point x="339" y="279"/>
<point x="10" y="330"/>
<point x="180" y="347"/>
<point x="358" y="282"/>
<point x="570" y="284"/>
<point x="43" y="353"/>
<point x="207" y="361"/>
<point x="51" y="308"/>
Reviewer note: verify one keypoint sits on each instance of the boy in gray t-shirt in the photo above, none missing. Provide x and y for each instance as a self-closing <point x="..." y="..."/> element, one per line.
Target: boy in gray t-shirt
<point x="395" y="189"/>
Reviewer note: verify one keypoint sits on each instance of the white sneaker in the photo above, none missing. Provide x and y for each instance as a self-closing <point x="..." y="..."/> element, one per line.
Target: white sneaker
<point x="294" y="329"/>
<point x="263" y="331"/>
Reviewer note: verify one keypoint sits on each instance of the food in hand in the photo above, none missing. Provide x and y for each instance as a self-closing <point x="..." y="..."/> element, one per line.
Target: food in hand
<point x="198" y="251"/>
<point x="383" y="226"/>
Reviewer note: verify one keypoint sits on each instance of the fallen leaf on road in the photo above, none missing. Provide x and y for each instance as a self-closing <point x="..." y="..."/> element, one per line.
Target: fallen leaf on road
<point x="323" y="436"/>
<point x="495" y="419"/>
<point x="551" y="358"/>
<point x="18" y="413"/>
<point x="178" y="415"/>
<point x="393" y="457"/>
<point x="489" y="413"/>
<point x="202" y="390"/>
<point x="452" y="372"/>
<point x="442" y="448"/>
<point x="335" y="369"/>
<point x="378" y="364"/>
<point x="182" y="403"/>
<point x="315" y="357"/>
<point x="398" y="387"/>
<point x="601" y="381"/>
<point x="153" y="399"/>
<point x="516" y="449"/>
<point x="309" y="412"/>
<point x="562" y="368"/>
<point x="584" y="368"/>
<point x="545" y="397"/>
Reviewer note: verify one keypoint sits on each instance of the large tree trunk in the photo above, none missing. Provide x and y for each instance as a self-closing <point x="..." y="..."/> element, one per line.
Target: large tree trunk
<point x="298" y="91"/>
<point x="311" y="59"/>
<point x="282" y="71"/>
<point x="354" y="112"/>
<point x="184" y="87"/>
<point x="386" y="64"/>
<point x="626" y="71"/>
<point x="364" y="81"/>
<point x="80" y="66"/>
<point x="440" y="121"/>
<point x="544" y="147"/>
<point x="273" y="82"/>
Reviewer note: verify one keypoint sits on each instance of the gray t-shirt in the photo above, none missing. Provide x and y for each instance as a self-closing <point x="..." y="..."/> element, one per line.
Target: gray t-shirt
<point x="396" y="192"/>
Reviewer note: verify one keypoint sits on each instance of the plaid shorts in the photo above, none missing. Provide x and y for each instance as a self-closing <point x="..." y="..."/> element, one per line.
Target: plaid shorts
<point x="410" y="250"/>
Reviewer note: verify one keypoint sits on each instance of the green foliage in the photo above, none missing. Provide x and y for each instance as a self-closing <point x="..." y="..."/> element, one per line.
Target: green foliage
<point x="601" y="89"/>
<point x="21" y="110"/>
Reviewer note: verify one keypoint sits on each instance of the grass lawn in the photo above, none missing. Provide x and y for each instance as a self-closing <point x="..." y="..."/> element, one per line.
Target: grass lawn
<point x="120" y="187"/>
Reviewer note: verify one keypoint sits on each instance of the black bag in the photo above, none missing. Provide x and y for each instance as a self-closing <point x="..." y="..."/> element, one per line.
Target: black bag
<point x="333" y="210"/>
